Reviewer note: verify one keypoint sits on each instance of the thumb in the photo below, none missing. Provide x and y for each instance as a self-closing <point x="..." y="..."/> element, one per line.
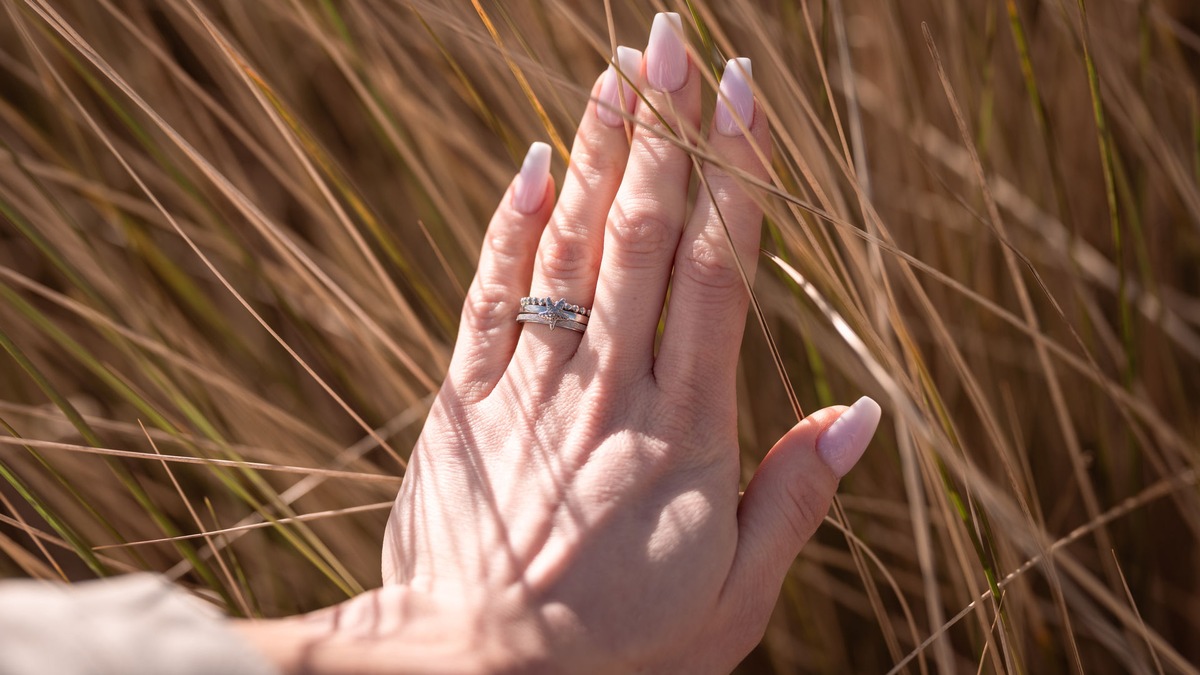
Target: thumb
<point x="789" y="496"/>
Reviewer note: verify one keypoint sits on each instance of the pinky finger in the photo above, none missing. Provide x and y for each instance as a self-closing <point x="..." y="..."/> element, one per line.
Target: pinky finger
<point x="488" y="332"/>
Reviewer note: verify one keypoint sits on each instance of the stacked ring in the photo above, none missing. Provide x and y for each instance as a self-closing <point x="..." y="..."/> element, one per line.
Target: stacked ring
<point x="554" y="313"/>
<point x="547" y="302"/>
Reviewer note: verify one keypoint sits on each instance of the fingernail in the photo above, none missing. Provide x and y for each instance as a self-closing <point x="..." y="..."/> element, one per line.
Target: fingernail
<point x="735" y="101"/>
<point x="666" y="56"/>
<point x="614" y="86"/>
<point x="844" y="441"/>
<point x="530" y="190"/>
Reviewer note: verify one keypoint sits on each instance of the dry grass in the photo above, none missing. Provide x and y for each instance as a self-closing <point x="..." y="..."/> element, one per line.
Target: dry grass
<point x="247" y="227"/>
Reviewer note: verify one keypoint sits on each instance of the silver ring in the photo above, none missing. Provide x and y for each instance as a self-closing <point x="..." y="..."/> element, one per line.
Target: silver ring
<point x="554" y="313"/>
<point x="539" y="309"/>
<point x="555" y="322"/>
<point x="561" y="302"/>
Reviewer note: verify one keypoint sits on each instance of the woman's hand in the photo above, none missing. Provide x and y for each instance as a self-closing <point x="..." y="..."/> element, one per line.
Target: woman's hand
<point x="573" y="501"/>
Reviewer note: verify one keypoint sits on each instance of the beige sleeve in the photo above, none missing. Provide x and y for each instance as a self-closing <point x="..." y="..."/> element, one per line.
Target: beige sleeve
<point x="133" y="624"/>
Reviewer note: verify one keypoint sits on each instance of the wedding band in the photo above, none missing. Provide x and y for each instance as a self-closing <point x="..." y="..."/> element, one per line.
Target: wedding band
<point x="569" y="314"/>
<point x="554" y="313"/>
<point x="553" y="323"/>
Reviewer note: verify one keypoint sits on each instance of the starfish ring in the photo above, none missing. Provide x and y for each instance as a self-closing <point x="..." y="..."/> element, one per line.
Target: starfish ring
<point x="554" y="313"/>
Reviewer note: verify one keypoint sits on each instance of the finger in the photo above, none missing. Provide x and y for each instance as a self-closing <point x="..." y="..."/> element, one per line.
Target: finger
<point x="707" y="311"/>
<point x="648" y="214"/>
<point x="786" y="501"/>
<point x="568" y="256"/>
<point x="487" y="333"/>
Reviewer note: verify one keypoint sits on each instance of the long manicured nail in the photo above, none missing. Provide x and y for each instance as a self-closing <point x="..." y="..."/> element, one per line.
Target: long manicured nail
<point x="666" y="55"/>
<point x="616" y="85"/>
<point x="735" y="101"/>
<point x="530" y="190"/>
<point x="843" y="442"/>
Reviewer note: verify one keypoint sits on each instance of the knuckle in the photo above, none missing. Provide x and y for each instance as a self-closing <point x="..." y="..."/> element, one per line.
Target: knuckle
<point x="507" y="247"/>
<point x="657" y="140"/>
<point x="566" y="257"/>
<point x="665" y="123"/>
<point x="732" y="172"/>
<point x="722" y="180"/>
<point x="594" y="162"/>
<point x="708" y="260"/>
<point x="469" y="379"/>
<point x="804" y="509"/>
<point x="640" y="232"/>
<point x="485" y="309"/>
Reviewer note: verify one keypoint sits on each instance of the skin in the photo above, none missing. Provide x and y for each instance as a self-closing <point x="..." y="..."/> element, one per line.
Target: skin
<point x="573" y="502"/>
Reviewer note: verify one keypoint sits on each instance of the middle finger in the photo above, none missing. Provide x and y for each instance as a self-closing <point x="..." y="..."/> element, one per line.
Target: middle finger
<point x="647" y="217"/>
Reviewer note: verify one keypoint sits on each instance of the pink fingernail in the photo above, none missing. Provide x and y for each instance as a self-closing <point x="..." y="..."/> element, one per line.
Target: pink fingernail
<point x="629" y="61"/>
<point x="842" y="444"/>
<point x="530" y="190"/>
<point x="735" y="100"/>
<point x="666" y="56"/>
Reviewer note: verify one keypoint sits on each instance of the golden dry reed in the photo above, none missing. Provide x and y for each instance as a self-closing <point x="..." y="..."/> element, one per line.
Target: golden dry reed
<point x="236" y="233"/>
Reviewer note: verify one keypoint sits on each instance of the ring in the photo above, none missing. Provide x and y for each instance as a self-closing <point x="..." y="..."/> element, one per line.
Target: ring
<point x="554" y="313"/>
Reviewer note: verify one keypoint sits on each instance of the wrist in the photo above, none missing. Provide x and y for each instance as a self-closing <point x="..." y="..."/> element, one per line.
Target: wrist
<point x="397" y="630"/>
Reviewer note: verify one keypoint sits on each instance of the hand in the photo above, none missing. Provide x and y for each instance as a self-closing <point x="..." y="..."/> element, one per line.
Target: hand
<point x="573" y="503"/>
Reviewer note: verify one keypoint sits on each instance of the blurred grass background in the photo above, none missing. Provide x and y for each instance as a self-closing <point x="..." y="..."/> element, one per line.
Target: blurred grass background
<point x="240" y="231"/>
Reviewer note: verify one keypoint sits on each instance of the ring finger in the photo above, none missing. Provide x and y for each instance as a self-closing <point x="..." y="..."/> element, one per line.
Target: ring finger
<point x="568" y="256"/>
